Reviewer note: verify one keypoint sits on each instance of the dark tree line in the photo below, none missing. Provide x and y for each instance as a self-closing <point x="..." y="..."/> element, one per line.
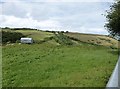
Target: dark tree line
<point x="18" y="28"/>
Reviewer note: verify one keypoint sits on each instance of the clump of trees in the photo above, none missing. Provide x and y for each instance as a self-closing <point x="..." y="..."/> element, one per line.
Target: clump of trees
<point x="12" y="37"/>
<point x="113" y="19"/>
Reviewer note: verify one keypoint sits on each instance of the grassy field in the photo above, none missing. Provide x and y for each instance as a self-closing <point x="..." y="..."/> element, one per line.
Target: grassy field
<point x="55" y="64"/>
<point x="36" y="35"/>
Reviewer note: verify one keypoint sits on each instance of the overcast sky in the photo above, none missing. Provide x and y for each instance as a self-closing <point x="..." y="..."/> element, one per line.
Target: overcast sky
<point x="64" y="15"/>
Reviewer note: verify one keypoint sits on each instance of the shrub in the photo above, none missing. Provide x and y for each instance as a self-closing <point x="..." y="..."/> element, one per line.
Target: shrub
<point x="11" y="37"/>
<point x="62" y="39"/>
<point x="67" y="31"/>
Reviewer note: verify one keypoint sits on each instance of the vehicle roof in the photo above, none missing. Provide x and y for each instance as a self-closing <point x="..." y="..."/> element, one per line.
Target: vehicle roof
<point x="26" y="38"/>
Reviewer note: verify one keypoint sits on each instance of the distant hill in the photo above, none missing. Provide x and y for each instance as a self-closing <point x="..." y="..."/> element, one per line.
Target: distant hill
<point x="65" y="38"/>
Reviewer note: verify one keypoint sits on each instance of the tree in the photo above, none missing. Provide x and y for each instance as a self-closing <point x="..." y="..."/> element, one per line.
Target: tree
<point x="113" y="19"/>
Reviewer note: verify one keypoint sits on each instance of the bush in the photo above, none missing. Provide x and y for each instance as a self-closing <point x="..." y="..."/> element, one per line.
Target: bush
<point x="11" y="37"/>
<point x="63" y="39"/>
<point x="62" y="31"/>
<point x="67" y="31"/>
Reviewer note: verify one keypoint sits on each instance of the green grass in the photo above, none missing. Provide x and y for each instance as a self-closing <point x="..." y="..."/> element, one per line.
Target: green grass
<point x="36" y="35"/>
<point x="54" y="65"/>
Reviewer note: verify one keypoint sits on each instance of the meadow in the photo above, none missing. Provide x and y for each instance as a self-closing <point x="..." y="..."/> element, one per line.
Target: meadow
<point x="57" y="62"/>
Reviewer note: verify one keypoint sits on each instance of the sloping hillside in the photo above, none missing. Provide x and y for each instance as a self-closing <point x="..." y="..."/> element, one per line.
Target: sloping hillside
<point x="68" y="38"/>
<point x="94" y="39"/>
<point x="36" y="35"/>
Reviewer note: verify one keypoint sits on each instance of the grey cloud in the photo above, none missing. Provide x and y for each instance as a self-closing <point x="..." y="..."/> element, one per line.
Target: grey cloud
<point x="68" y="14"/>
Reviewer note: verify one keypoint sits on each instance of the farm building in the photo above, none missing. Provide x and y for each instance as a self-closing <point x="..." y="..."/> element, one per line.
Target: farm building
<point x="26" y="40"/>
